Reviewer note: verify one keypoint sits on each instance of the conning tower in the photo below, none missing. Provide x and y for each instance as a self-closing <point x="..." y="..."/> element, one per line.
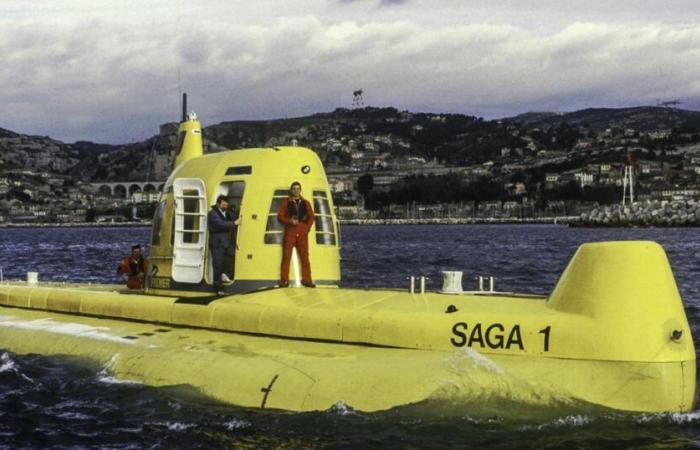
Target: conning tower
<point x="255" y="180"/>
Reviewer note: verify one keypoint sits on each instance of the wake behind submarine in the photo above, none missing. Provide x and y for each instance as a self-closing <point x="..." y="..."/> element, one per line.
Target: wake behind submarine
<point x="613" y="332"/>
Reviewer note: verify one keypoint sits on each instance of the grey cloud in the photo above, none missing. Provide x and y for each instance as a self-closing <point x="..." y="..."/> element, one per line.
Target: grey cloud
<point x="113" y="81"/>
<point x="376" y="2"/>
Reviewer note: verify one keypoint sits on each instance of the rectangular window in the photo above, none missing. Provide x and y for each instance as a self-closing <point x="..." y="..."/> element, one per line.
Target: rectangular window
<point x="325" y="234"/>
<point x="234" y="191"/>
<point x="239" y="170"/>
<point x="157" y="223"/>
<point x="191" y="217"/>
<point x="274" y="230"/>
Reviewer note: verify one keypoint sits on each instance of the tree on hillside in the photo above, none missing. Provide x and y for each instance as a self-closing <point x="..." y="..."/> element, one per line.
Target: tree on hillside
<point x="365" y="184"/>
<point x="90" y="215"/>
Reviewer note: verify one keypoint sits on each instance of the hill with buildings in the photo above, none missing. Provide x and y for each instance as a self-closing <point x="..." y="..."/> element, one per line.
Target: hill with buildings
<point x="642" y="118"/>
<point x="536" y="160"/>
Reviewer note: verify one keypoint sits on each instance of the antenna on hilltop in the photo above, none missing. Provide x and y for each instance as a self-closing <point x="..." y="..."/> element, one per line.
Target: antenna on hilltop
<point x="357" y="100"/>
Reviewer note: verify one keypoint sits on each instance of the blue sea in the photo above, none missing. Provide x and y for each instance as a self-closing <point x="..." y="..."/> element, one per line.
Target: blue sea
<point x="58" y="403"/>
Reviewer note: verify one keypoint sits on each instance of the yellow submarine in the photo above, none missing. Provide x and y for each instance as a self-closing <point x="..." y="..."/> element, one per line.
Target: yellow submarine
<point x="612" y="334"/>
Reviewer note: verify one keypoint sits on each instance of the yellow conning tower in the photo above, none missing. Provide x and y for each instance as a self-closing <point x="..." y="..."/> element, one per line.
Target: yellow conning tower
<point x="255" y="180"/>
<point x="189" y="139"/>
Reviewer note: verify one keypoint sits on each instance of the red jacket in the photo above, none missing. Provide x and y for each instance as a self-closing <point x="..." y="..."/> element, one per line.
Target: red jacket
<point x="135" y="270"/>
<point x="289" y="209"/>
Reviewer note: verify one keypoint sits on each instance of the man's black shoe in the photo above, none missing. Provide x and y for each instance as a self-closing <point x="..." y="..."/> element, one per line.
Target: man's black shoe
<point x="283" y="285"/>
<point x="309" y="285"/>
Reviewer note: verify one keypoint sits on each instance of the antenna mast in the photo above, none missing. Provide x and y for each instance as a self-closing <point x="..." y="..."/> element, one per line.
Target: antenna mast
<point x="628" y="180"/>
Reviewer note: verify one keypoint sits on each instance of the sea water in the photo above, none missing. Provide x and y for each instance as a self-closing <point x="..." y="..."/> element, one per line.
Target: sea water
<point x="57" y="402"/>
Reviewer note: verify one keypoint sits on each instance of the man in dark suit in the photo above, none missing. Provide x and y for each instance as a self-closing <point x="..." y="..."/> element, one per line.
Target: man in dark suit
<point x="222" y="242"/>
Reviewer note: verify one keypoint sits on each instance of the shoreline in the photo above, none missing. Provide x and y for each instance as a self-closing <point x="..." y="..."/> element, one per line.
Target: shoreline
<point x="76" y="225"/>
<point x="564" y="220"/>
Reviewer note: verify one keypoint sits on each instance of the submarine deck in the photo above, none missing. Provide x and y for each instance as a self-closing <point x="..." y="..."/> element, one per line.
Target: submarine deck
<point x="238" y="348"/>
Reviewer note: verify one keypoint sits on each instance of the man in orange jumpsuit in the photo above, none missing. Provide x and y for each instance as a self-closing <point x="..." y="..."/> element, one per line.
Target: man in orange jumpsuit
<point x="297" y="216"/>
<point x="135" y="267"/>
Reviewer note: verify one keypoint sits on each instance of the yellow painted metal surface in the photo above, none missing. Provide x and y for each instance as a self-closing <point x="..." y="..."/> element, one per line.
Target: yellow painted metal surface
<point x="190" y="140"/>
<point x="612" y="333"/>
<point x="272" y="172"/>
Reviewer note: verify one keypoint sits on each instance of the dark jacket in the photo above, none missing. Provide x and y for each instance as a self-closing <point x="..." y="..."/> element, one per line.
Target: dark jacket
<point x="222" y="231"/>
<point x="303" y="212"/>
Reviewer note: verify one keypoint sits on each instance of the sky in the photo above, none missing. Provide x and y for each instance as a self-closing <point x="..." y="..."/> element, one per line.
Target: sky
<point x="113" y="71"/>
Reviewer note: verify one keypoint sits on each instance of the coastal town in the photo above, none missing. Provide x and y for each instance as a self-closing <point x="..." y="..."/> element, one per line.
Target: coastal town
<point x="386" y="164"/>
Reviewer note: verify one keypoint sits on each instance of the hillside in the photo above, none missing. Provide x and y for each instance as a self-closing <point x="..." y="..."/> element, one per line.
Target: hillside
<point x="357" y="140"/>
<point x="643" y="118"/>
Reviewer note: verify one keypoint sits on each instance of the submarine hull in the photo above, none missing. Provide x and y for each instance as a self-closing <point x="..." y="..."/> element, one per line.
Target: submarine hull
<point x="299" y="375"/>
<point x="613" y="333"/>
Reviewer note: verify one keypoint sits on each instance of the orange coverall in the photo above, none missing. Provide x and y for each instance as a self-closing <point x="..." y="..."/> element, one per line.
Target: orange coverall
<point x="295" y="235"/>
<point x="133" y="268"/>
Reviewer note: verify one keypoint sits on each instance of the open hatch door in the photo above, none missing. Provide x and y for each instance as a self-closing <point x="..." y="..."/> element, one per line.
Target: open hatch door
<point x="190" y="227"/>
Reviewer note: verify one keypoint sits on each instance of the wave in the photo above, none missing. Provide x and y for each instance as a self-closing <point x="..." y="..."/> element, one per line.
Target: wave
<point x="673" y="418"/>
<point x="103" y="376"/>
<point x="236" y="424"/>
<point x="7" y="364"/>
<point x="561" y="422"/>
<point x="175" y="426"/>
<point x="341" y="409"/>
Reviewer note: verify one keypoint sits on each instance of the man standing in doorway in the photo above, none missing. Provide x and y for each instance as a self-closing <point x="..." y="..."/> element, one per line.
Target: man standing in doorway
<point x="222" y="242"/>
<point x="297" y="216"/>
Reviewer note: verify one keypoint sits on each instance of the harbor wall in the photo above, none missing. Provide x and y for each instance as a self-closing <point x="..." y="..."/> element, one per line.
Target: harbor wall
<point x="653" y="213"/>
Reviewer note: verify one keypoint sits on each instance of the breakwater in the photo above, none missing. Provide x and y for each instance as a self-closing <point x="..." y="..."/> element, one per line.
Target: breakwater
<point x="462" y="221"/>
<point x="643" y="214"/>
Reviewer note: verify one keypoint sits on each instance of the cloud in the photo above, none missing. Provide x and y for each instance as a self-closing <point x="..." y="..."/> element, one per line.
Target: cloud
<point x="115" y="74"/>
<point x="377" y="2"/>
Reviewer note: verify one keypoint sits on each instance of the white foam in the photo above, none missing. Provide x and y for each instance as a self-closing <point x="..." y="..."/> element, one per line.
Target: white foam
<point x="65" y="328"/>
<point x="479" y="360"/>
<point x="177" y="426"/>
<point x="559" y="422"/>
<point x="576" y="421"/>
<point x="685" y="417"/>
<point x="236" y="424"/>
<point x="342" y="409"/>
<point x="678" y="418"/>
<point x="7" y="363"/>
<point x="103" y="375"/>
<point x="175" y="406"/>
